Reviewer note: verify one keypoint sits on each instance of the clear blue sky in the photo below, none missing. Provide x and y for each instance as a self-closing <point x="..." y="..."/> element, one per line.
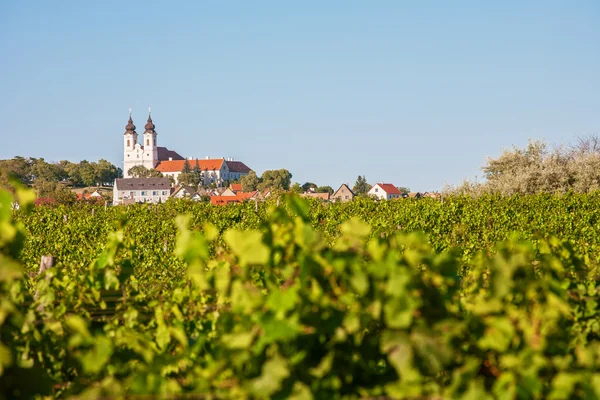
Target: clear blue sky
<point x="413" y="93"/>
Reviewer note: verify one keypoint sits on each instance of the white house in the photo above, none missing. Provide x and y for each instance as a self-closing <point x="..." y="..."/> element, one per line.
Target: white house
<point x="144" y="190"/>
<point x="385" y="191"/>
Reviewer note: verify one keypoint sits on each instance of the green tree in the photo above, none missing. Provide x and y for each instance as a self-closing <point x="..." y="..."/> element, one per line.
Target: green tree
<point x="308" y="185"/>
<point x="250" y="182"/>
<point x="280" y="179"/>
<point x="325" y="189"/>
<point x="403" y="189"/>
<point x="197" y="171"/>
<point x="139" y="171"/>
<point x="89" y="176"/>
<point x="45" y="188"/>
<point x="296" y="188"/>
<point x="63" y="195"/>
<point x="188" y="178"/>
<point x="361" y="187"/>
<point x="186" y="167"/>
<point x="106" y="172"/>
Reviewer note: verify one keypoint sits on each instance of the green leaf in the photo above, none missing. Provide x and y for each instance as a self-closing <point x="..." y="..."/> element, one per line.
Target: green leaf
<point x="247" y="246"/>
<point x="274" y="371"/>
<point x="94" y="360"/>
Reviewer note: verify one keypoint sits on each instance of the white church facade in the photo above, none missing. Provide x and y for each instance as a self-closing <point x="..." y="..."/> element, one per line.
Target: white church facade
<point x="170" y="163"/>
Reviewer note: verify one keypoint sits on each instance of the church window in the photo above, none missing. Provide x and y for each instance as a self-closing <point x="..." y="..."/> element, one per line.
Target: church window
<point x="128" y="142"/>
<point x="147" y="142"/>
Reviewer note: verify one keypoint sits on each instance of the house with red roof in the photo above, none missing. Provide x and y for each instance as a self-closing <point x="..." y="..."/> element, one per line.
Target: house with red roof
<point x="385" y="191"/>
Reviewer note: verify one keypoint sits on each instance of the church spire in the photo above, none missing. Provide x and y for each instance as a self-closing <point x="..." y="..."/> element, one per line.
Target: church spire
<point x="130" y="127"/>
<point x="150" y="127"/>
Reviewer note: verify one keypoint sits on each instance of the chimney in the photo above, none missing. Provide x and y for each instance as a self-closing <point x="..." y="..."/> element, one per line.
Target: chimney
<point x="207" y="157"/>
<point x="170" y="158"/>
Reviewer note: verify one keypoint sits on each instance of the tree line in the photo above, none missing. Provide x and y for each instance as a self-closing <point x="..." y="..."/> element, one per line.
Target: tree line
<point x="537" y="168"/>
<point x="52" y="179"/>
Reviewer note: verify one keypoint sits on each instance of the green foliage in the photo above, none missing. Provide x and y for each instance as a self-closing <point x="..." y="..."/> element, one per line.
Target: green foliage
<point x="303" y="300"/>
<point x="188" y="178"/>
<point x="139" y="171"/>
<point x="250" y="182"/>
<point x="361" y="186"/>
<point x="280" y="179"/>
<point x="186" y="167"/>
<point x="538" y="169"/>
<point x="44" y="176"/>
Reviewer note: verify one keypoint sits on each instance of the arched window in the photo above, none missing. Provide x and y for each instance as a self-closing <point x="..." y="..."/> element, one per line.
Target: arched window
<point x="147" y="142"/>
<point x="128" y="142"/>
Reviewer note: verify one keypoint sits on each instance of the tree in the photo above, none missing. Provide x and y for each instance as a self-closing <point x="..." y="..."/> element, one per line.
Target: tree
<point x="280" y="179"/>
<point x="63" y="195"/>
<point x="188" y="178"/>
<point x="106" y="172"/>
<point x="307" y="186"/>
<point x="403" y="189"/>
<point x="139" y="171"/>
<point x="361" y="186"/>
<point x="45" y="188"/>
<point x="197" y="171"/>
<point x="250" y="182"/>
<point x="88" y="174"/>
<point x="538" y="169"/>
<point x="154" y="173"/>
<point x="296" y="188"/>
<point x="186" y="167"/>
<point x="325" y="189"/>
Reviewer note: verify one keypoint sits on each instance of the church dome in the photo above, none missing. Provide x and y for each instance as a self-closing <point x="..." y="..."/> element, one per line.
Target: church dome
<point x="149" y="125"/>
<point x="130" y="127"/>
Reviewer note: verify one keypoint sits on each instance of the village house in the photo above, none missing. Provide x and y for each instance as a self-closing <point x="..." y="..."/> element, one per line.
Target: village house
<point x="385" y="191"/>
<point x="141" y="190"/>
<point x="183" y="192"/>
<point x="343" y="194"/>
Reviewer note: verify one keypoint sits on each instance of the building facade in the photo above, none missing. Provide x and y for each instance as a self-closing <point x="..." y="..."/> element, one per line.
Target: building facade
<point x="141" y="190"/>
<point x="385" y="191"/>
<point x="343" y="194"/>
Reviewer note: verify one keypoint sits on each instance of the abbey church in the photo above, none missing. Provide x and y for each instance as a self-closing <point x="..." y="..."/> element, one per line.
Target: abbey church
<point x="169" y="162"/>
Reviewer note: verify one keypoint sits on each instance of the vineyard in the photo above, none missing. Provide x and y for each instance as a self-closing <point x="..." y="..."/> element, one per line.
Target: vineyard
<point x="487" y="298"/>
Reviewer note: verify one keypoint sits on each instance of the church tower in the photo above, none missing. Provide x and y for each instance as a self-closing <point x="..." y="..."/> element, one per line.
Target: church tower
<point x="130" y="138"/>
<point x="150" y="147"/>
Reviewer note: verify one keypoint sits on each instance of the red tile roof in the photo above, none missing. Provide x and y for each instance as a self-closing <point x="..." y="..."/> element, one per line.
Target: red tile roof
<point x="177" y="165"/>
<point x="245" y="195"/>
<point x="236" y="187"/>
<point x="389" y="188"/>
<point x="222" y="200"/>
